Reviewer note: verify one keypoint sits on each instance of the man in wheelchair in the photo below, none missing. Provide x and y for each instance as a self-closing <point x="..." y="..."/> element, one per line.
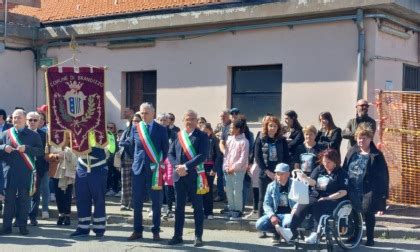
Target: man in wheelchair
<point x="329" y="186"/>
<point x="277" y="206"/>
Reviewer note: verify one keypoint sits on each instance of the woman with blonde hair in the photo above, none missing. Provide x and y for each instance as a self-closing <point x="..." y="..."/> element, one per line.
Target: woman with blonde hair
<point x="368" y="178"/>
<point x="306" y="156"/>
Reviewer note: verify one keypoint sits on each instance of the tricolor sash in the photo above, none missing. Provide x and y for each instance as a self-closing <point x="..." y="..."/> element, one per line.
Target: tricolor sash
<point x="189" y="151"/>
<point x="29" y="161"/>
<point x="155" y="157"/>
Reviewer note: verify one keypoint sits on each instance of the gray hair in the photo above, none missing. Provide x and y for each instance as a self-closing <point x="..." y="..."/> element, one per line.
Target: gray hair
<point x="33" y="114"/>
<point x="19" y="111"/>
<point x="162" y="116"/>
<point x="148" y="106"/>
<point x="226" y="111"/>
<point x="190" y="112"/>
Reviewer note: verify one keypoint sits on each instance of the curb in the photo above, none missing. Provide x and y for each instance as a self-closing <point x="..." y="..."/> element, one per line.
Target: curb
<point x="245" y="225"/>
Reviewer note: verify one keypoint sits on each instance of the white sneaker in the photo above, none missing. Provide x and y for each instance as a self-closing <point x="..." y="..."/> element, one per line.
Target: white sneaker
<point x="164" y="209"/>
<point x="110" y="193"/>
<point x="45" y="215"/>
<point x="312" y="238"/>
<point x="286" y="233"/>
<point x="150" y="214"/>
<point x="118" y="194"/>
<point x="210" y="217"/>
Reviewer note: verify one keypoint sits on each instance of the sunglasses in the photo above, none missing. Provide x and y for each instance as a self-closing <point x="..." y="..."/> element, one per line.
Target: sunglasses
<point x="33" y="120"/>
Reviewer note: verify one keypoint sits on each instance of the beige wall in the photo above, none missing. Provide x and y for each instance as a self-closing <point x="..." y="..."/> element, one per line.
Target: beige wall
<point x="16" y="80"/>
<point x="319" y="63"/>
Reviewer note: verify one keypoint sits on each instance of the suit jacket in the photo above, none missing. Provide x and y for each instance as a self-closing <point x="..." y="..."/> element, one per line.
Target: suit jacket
<point x="15" y="170"/>
<point x="176" y="155"/>
<point x="6" y="126"/>
<point x="41" y="164"/>
<point x="141" y="160"/>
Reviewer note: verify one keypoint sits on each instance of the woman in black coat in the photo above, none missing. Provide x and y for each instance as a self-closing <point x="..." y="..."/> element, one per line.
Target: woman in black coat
<point x="293" y="131"/>
<point x="270" y="150"/>
<point x="329" y="136"/>
<point x="368" y="178"/>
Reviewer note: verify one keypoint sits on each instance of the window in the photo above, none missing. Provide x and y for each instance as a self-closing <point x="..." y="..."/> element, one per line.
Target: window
<point x="140" y="87"/>
<point x="411" y="78"/>
<point x="256" y="90"/>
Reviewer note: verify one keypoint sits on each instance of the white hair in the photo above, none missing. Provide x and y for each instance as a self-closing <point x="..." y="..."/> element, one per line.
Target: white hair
<point x="189" y="113"/>
<point x="148" y="106"/>
<point x="33" y="114"/>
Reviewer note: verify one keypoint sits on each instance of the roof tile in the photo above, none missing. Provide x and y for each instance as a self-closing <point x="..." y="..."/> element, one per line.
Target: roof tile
<point x="62" y="10"/>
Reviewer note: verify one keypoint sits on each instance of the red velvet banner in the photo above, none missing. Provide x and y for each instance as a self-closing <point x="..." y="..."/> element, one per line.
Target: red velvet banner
<point x="76" y="102"/>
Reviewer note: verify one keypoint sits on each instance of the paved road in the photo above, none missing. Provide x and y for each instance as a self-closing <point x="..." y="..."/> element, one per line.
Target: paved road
<point x="48" y="237"/>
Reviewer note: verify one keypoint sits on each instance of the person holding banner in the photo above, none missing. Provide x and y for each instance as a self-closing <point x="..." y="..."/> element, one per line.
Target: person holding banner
<point x="19" y="146"/>
<point x="187" y="154"/>
<point x="150" y="143"/>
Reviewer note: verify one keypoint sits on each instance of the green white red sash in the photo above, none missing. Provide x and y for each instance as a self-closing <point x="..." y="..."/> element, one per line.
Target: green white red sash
<point x="154" y="156"/>
<point x="29" y="161"/>
<point x="189" y="151"/>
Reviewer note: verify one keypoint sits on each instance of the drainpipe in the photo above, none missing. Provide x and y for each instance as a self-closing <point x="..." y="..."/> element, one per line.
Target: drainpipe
<point x="360" y="52"/>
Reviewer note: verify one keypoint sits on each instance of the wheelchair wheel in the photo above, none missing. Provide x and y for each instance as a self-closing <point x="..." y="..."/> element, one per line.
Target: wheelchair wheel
<point x="347" y="226"/>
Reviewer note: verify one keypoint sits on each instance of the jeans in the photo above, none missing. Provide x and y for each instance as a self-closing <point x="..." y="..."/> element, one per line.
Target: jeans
<point x="263" y="224"/>
<point x="234" y="190"/>
<point x="43" y="190"/>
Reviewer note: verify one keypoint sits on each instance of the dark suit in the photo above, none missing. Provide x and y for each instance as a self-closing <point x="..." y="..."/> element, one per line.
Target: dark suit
<point x="187" y="185"/>
<point x="41" y="170"/>
<point x="18" y="176"/>
<point x="142" y="174"/>
<point x="6" y="126"/>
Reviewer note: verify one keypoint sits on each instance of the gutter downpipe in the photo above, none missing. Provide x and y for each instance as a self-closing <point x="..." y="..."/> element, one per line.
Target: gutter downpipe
<point x="360" y="53"/>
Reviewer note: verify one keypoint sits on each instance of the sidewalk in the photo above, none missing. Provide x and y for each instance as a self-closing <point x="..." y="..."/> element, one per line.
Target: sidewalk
<point x="398" y="222"/>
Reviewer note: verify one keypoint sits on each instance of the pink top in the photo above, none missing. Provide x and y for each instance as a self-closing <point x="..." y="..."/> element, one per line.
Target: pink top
<point x="167" y="176"/>
<point x="237" y="153"/>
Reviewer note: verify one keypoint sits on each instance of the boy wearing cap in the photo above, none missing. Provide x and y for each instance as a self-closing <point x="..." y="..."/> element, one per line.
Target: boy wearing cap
<point x="278" y="208"/>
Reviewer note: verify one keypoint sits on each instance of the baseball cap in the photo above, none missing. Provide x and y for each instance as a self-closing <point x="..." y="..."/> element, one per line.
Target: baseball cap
<point x="282" y="167"/>
<point x="234" y="111"/>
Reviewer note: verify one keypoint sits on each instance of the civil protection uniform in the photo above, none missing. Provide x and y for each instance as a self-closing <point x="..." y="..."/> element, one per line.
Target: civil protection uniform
<point x="91" y="177"/>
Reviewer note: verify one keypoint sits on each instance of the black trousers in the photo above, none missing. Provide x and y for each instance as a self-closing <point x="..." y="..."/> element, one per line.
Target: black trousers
<point x="316" y="208"/>
<point x="370" y="222"/>
<point x="262" y="189"/>
<point x="208" y="197"/>
<point x="113" y="179"/>
<point x="16" y="199"/>
<point x="169" y="196"/>
<point x="256" y="192"/>
<point x="63" y="198"/>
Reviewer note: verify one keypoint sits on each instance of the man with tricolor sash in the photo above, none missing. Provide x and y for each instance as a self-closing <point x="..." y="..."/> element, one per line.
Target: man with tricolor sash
<point x="149" y="142"/>
<point x="187" y="154"/>
<point x="19" y="147"/>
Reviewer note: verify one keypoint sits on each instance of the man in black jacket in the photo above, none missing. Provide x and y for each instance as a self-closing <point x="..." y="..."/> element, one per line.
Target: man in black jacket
<point x="362" y="116"/>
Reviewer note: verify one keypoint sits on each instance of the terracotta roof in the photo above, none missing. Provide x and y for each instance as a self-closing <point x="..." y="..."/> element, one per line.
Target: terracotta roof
<point x="62" y="10"/>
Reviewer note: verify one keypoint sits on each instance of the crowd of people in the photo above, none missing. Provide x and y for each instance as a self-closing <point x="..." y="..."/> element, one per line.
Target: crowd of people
<point x="153" y="160"/>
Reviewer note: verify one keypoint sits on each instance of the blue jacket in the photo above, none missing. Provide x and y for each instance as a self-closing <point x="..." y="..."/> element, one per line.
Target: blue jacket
<point x="176" y="155"/>
<point x="15" y="170"/>
<point x="159" y="136"/>
<point x="41" y="164"/>
<point x="6" y="126"/>
<point x="272" y="196"/>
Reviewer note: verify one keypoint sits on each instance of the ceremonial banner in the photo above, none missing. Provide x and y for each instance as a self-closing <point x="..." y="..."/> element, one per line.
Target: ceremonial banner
<point x="76" y="105"/>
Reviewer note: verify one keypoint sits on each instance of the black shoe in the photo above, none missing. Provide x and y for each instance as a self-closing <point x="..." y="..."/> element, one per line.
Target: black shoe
<point x="23" y="231"/>
<point x="218" y="199"/>
<point x="276" y="239"/>
<point x="198" y="242"/>
<point x="370" y="243"/>
<point x="15" y="224"/>
<point x="175" y="240"/>
<point x="99" y="235"/>
<point x="79" y="233"/>
<point x="262" y="235"/>
<point x="33" y="222"/>
<point x="60" y="221"/>
<point x="67" y="221"/>
<point x="6" y="231"/>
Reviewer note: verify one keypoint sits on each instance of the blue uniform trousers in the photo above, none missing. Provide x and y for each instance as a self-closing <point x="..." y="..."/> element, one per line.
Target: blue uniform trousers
<point x="91" y="187"/>
<point x="141" y="190"/>
<point x="187" y="185"/>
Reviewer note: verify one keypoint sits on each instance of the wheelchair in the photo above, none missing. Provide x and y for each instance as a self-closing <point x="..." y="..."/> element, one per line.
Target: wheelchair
<point x="344" y="226"/>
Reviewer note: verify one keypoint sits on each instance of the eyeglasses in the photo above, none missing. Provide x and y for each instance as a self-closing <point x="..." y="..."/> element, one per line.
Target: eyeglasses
<point x="33" y="120"/>
<point x="110" y="127"/>
<point x="364" y="105"/>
